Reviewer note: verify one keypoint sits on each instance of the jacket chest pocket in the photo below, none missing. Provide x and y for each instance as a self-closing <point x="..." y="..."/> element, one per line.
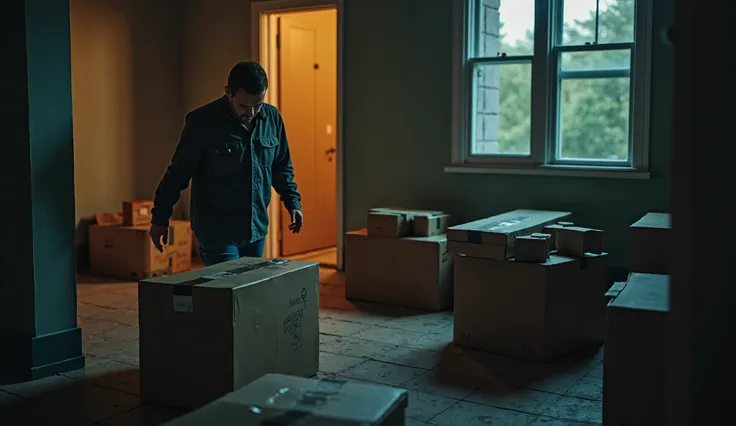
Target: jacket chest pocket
<point x="226" y="159"/>
<point x="265" y="150"/>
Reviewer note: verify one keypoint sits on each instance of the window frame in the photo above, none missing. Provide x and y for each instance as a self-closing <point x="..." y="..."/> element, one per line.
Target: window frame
<point x="545" y="95"/>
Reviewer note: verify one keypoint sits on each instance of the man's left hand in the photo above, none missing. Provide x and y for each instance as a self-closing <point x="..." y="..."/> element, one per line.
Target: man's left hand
<point x="297" y="221"/>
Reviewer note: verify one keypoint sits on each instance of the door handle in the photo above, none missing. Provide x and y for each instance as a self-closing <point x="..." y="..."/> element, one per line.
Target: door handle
<point x="330" y="151"/>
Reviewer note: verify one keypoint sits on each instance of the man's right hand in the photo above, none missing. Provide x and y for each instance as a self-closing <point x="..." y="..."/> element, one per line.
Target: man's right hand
<point x="160" y="236"/>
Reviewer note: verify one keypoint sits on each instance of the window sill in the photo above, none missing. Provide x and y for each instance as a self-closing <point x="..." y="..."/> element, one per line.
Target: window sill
<point x="552" y="170"/>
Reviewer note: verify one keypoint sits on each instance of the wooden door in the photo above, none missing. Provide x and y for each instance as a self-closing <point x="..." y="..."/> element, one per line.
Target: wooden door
<point x="308" y="103"/>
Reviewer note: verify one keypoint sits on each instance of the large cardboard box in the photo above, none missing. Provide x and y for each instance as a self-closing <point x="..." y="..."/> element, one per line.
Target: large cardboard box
<point x="397" y="222"/>
<point x="207" y="332"/>
<point x="532" y="311"/>
<point x="414" y="272"/>
<point x="634" y="371"/>
<point x="137" y="212"/>
<point x="127" y="252"/>
<point x="649" y="244"/>
<point x="493" y="237"/>
<point x="276" y="399"/>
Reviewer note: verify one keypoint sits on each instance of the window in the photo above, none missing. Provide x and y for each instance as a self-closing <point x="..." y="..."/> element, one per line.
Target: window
<point x="552" y="84"/>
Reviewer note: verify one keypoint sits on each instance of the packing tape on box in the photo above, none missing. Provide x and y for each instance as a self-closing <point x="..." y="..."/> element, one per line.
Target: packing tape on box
<point x="182" y="292"/>
<point x="304" y="406"/>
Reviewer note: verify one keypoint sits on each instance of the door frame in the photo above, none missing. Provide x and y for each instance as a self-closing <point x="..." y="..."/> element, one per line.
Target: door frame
<point x="259" y="11"/>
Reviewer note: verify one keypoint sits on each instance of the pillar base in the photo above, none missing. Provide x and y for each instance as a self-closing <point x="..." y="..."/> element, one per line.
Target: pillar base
<point x="25" y="358"/>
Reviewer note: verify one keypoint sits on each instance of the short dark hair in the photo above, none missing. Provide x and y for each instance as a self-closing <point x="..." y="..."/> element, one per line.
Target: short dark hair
<point x="249" y="76"/>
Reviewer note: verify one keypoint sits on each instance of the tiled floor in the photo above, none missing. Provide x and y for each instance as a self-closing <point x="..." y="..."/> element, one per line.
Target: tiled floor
<point x="363" y="342"/>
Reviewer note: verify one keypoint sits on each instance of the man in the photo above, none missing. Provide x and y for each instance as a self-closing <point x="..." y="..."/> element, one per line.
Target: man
<point x="233" y="150"/>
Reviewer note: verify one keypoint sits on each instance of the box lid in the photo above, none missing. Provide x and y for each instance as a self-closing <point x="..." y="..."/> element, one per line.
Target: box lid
<point x="647" y="292"/>
<point x="500" y="228"/>
<point x="283" y="400"/>
<point x="233" y="274"/>
<point x="654" y="221"/>
<point x="404" y="211"/>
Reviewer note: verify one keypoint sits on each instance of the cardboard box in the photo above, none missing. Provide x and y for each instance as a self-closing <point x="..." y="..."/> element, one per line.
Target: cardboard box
<point x="649" y="244"/>
<point x="493" y="237"/>
<point x="414" y="272"/>
<point x="532" y="248"/>
<point x="397" y="222"/>
<point x="634" y="371"/>
<point x="127" y="252"/>
<point x="576" y="241"/>
<point x="207" y="332"/>
<point x="532" y="311"/>
<point x="552" y="231"/>
<point x="286" y="400"/>
<point x="137" y="213"/>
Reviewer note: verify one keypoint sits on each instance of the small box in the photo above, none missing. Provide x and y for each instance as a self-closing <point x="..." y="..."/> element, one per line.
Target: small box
<point x="552" y="231"/>
<point x="576" y="241"/>
<point x="276" y="399"/>
<point x="210" y="331"/>
<point x="137" y="213"/>
<point x="414" y="272"/>
<point x="532" y="248"/>
<point x="649" y="245"/>
<point x="127" y="252"/>
<point x="494" y="237"/>
<point x="397" y="222"/>
<point x="532" y="311"/>
<point x="634" y="371"/>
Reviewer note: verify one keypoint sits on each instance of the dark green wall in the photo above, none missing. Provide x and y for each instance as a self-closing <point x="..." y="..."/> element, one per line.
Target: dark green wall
<point x="397" y="130"/>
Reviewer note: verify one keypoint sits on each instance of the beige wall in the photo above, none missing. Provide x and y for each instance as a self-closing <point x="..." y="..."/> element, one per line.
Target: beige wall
<point x="127" y="96"/>
<point x="215" y="36"/>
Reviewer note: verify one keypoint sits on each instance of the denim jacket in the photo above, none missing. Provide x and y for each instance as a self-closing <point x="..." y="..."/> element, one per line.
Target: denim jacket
<point x="232" y="171"/>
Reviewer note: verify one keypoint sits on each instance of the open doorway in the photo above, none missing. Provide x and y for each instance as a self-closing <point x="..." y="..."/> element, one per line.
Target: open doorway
<point x="296" y="41"/>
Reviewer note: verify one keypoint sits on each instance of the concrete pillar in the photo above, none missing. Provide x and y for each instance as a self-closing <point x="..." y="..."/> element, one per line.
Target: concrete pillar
<point x="38" y="313"/>
<point x="488" y="86"/>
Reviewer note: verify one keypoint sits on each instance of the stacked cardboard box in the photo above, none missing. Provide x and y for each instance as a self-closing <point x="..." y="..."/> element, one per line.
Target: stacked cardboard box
<point x="635" y="350"/>
<point x="401" y="259"/>
<point x="137" y="212"/>
<point x="649" y="244"/>
<point x="121" y="247"/>
<point x="277" y="399"/>
<point x="538" y="305"/>
<point x="207" y="332"/>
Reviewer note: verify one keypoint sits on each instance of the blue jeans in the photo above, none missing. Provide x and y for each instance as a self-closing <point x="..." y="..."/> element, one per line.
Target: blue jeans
<point x="213" y="252"/>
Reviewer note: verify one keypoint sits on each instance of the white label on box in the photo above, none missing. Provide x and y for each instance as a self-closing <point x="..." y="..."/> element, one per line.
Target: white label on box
<point x="143" y="211"/>
<point x="183" y="304"/>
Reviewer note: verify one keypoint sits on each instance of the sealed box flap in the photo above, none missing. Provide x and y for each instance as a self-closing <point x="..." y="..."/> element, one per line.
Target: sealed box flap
<point x="616" y="289"/>
<point x="646" y="292"/>
<point x="653" y="221"/>
<point x="405" y="212"/>
<point x="233" y="274"/>
<point x="281" y="396"/>
<point x="501" y="228"/>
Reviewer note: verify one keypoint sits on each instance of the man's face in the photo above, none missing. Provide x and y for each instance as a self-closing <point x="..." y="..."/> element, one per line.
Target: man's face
<point x="245" y="105"/>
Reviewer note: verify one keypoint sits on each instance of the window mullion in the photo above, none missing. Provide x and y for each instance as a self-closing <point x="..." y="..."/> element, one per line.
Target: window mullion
<point x="540" y="81"/>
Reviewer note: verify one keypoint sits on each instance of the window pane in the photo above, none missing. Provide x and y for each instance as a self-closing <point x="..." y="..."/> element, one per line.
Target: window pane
<point x="596" y="60"/>
<point x="594" y="119"/>
<point x="505" y="26"/>
<point x="615" y="21"/>
<point x="503" y="100"/>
